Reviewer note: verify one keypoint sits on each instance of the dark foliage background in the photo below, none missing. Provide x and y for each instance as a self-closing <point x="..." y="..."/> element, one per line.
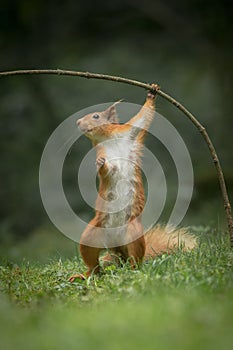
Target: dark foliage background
<point x="185" y="46"/>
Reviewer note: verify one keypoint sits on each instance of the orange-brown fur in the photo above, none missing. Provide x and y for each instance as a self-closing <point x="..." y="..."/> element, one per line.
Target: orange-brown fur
<point x="100" y="128"/>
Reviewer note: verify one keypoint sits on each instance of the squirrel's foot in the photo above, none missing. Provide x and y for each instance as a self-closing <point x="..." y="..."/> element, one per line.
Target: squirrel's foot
<point x="84" y="276"/>
<point x="77" y="276"/>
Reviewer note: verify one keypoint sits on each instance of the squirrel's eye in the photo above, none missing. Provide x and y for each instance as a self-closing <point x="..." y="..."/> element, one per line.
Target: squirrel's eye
<point x="96" y="116"/>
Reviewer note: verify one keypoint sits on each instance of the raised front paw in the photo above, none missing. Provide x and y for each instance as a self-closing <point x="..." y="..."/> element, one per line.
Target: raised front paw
<point x="154" y="88"/>
<point x="100" y="161"/>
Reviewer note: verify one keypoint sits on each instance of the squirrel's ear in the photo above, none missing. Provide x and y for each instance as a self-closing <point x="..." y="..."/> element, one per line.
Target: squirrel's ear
<point x="111" y="113"/>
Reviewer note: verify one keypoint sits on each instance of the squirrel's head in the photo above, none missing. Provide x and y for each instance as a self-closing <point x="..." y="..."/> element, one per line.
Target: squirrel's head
<point x="94" y="125"/>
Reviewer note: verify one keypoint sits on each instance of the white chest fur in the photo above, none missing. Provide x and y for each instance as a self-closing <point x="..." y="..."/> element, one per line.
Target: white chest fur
<point x="121" y="158"/>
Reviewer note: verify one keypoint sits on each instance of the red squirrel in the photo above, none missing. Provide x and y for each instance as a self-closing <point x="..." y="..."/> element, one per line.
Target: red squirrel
<point x="118" y="227"/>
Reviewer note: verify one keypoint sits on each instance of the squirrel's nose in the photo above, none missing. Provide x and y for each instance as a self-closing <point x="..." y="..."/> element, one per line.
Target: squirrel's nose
<point x="78" y="122"/>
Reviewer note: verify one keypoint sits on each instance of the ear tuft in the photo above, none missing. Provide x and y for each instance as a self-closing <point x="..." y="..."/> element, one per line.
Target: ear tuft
<point x="111" y="113"/>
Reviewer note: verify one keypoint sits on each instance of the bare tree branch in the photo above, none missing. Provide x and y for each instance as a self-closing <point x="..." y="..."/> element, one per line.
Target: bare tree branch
<point x="156" y="88"/>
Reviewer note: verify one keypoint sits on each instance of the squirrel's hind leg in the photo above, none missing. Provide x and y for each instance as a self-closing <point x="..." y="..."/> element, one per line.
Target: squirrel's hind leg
<point x="136" y="247"/>
<point x="136" y="251"/>
<point x="89" y="253"/>
<point x="90" y="256"/>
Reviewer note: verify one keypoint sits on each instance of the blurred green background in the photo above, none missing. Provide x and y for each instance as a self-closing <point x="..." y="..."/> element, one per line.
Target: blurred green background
<point x="185" y="46"/>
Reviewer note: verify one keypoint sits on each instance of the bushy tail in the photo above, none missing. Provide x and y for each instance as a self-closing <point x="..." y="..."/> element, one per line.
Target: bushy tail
<point x="159" y="240"/>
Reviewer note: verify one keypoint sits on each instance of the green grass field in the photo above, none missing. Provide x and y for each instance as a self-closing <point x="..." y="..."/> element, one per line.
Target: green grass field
<point x="179" y="301"/>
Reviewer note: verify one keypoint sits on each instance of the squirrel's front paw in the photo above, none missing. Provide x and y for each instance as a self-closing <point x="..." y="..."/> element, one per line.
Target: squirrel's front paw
<point x="151" y="94"/>
<point x="100" y="161"/>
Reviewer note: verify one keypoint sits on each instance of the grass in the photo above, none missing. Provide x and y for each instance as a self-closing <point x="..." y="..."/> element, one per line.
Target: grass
<point x="179" y="301"/>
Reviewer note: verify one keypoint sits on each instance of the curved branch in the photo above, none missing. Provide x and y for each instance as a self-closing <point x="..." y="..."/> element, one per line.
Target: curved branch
<point x="198" y="125"/>
<point x="76" y="74"/>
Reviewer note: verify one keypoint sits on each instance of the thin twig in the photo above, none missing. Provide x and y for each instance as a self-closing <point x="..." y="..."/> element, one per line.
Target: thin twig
<point x="199" y="126"/>
<point x="77" y="74"/>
